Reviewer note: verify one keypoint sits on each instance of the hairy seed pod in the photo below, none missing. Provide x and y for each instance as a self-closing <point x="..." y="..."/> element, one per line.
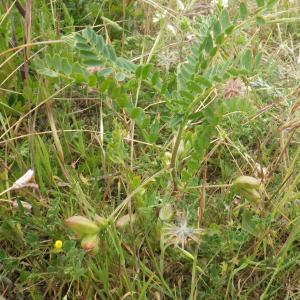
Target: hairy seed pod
<point x="90" y="244"/>
<point x="82" y="225"/>
<point x="252" y="195"/>
<point x="246" y="182"/>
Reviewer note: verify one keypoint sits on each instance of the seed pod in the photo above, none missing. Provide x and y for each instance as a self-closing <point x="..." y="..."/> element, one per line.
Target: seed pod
<point x="252" y="195"/>
<point x="82" y="225"/>
<point x="90" y="244"/>
<point x="166" y="212"/>
<point x="246" y="182"/>
<point x="126" y="220"/>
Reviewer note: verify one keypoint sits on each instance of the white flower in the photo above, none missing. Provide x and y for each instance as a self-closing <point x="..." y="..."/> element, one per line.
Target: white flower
<point x="171" y="28"/>
<point x="180" y="5"/>
<point x="25" y="181"/>
<point x="155" y="19"/>
<point x="159" y="16"/>
<point x="224" y="3"/>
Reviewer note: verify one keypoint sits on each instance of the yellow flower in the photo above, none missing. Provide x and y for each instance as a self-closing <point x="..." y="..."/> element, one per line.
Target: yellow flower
<point x="58" y="246"/>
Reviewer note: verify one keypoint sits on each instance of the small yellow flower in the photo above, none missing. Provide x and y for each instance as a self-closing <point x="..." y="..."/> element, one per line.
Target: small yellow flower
<point x="58" y="246"/>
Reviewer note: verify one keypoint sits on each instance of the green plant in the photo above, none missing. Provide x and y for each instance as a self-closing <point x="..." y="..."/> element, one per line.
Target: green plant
<point x="141" y="120"/>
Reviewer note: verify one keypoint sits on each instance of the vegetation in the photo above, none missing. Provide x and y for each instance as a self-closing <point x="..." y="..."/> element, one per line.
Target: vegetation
<point x="149" y="149"/>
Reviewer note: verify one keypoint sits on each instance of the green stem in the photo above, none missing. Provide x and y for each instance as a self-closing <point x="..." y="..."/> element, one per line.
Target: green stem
<point x="115" y="214"/>
<point x="174" y="156"/>
<point x="190" y="110"/>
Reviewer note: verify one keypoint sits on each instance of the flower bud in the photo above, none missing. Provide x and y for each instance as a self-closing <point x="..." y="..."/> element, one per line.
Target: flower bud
<point x="246" y="182"/>
<point x="166" y="212"/>
<point x="126" y="220"/>
<point x="82" y="226"/>
<point x="90" y="244"/>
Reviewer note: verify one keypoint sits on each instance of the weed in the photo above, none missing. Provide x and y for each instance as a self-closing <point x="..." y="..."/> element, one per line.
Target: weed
<point x="149" y="149"/>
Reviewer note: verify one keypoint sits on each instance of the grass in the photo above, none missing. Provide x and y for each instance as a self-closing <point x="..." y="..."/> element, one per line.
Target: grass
<point x="149" y="154"/>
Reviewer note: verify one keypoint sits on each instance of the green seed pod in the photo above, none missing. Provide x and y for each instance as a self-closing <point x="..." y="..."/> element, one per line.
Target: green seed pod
<point x="166" y="212"/>
<point x="90" y="244"/>
<point x="246" y="182"/>
<point x="125" y="220"/>
<point x="82" y="225"/>
<point x="252" y="195"/>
